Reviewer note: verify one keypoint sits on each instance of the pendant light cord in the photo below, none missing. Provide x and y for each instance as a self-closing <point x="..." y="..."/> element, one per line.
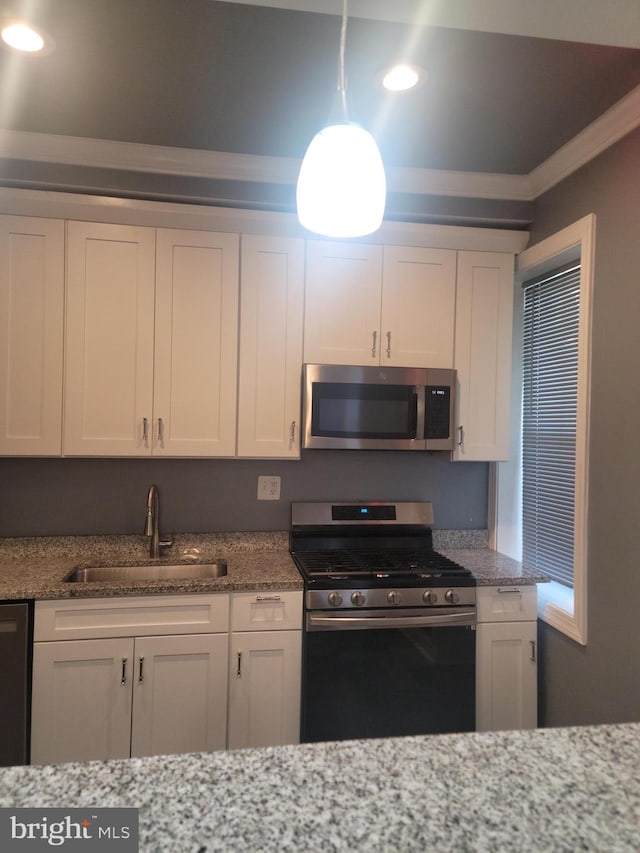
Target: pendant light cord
<point x="342" y="86"/>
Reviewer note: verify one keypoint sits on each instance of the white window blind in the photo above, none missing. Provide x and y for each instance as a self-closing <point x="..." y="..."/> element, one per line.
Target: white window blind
<point x="550" y="396"/>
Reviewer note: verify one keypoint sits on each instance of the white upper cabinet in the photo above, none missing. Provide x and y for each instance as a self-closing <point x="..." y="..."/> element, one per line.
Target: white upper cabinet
<point x="31" y="335"/>
<point x="418" y="307"/>
<point x="151" y="341"/>
<point x="271" y="319"/>
<point x="381" y="306"/>
<point x="483" y="342"/>
<point x="109" y="339"/>
<point x="196" y="344"/>
<point x="343" y="292"/>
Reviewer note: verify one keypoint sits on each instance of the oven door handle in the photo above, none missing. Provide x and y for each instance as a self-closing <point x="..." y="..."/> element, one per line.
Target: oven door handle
<point x="318" y="622"/>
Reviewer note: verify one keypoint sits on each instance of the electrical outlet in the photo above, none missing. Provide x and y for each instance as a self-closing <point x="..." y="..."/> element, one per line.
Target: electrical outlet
<point x="268" y="488"/>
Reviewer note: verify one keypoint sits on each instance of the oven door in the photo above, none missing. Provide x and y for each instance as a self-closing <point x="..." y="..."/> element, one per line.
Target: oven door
<point x="373" y="675"/>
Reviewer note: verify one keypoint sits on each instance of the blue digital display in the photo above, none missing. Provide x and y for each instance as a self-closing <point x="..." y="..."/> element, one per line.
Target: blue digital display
<point x="364" y="510"/>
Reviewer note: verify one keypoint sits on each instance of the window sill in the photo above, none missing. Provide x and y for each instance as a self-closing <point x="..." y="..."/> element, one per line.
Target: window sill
<point x="557" y="607"/>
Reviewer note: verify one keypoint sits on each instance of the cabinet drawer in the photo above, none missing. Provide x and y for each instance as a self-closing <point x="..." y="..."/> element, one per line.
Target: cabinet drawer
<point x="507" y="603"/>
<point x="266" y="610"/>
<point x="125" y="617"/>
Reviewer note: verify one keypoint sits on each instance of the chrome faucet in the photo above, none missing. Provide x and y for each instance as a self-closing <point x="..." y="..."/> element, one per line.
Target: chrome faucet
<point x="152" y="523"/>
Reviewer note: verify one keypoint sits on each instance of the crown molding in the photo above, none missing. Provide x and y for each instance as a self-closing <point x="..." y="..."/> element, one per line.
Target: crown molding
<point x="610" y="127"/>
<point x="604" y="132"/>
<point x="164" y="214"/>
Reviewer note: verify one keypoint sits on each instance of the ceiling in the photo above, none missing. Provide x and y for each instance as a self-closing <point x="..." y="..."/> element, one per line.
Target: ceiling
<point x="258" y="80"/>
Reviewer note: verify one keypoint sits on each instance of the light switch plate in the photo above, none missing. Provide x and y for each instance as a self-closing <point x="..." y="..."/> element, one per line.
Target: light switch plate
<point x="268" y="488"/>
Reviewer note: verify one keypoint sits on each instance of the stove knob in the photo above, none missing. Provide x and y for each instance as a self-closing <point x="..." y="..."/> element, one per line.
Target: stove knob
<point x="394" y="597"/>
<point x="430" y="597"/>
<point x="335" y="599"/>
<point x="451" y="596"/>
<point x="357" y="599"/>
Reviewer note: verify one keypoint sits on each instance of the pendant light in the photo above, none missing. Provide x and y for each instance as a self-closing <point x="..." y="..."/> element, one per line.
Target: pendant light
<point x="341" y="185"/>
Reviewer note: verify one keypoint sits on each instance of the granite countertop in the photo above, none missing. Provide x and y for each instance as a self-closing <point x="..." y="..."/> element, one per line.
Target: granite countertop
<point x="36" y="567"/>
<point x="548" y="789"/>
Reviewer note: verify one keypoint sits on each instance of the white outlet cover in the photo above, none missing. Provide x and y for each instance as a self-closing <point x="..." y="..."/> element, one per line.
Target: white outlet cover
<point x="269" y="488"/>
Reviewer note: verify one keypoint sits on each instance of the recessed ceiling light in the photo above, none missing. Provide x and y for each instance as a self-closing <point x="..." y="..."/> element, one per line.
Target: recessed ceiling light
<point x="401" y="77"/>
<point x="26" y="38"/>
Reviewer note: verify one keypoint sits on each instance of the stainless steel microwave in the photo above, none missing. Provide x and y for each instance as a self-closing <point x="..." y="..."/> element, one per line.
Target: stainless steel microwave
<point x="377" y="408"/>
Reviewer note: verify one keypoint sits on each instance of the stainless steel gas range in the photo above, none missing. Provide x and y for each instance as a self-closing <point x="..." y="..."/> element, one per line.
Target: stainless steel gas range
<point x="389" y="643"/>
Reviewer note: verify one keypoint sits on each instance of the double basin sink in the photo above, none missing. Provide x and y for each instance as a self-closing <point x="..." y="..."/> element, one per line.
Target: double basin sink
<point x="147" y="572"/>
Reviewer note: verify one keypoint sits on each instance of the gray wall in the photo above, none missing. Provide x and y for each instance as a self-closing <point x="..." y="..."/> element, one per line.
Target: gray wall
<point x="41" y="497"/>
<point x="601" y="683"/>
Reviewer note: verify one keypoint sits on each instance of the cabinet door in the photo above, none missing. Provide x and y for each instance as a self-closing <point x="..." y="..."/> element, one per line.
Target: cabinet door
<point x="506" y="676"/>
<point x="264" y="688"/>
<point x="271" y="318"/>
<point x="342" y="303"/>
<point x="196" y="344"/>
<point x="484" y="330"/>
<point x="109" y="340"/>
<point x="31" y="327"/>
<point x="180" y="694"/>
<point x="81" y="705"/>
<point x="418" y="307"/>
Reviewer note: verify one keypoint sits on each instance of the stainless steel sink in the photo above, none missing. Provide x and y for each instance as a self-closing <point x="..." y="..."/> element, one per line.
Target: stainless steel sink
<point x="128" y="574"/>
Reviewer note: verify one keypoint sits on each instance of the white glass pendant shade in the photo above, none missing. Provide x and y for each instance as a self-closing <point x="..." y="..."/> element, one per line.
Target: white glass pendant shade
<point x="342" y="186"/>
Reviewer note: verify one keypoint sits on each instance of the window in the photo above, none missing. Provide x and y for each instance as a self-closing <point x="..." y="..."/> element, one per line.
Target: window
<point x="551" y="314"/>
<point x="541" y="497"/>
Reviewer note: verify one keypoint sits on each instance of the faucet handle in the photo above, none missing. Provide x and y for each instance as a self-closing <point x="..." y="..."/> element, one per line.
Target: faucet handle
<point x="167" y="542"/>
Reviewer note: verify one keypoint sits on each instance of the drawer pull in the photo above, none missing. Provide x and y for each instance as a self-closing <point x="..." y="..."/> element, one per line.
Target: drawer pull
<point x="123" y="677"/>
<point x="267" y="598"/>
<point x="532" y="656"/>
<point x="509" y="590"/>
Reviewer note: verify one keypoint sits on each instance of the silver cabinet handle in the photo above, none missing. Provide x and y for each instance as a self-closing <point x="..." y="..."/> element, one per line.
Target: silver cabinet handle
<point x="145" y="430"/>
<point x="374" y="337"/>
<point x="292" y="434"/>
<point x="239" y="667"/>
<point x="123" y="677"/>
<point x="140" y="670"/>
<point x="388" y="344"/>
<point x="460" y="436"/>
<point x="509" y="590"/>
<point x="532" y="656"/>
<point x="160" y="431"/>
<point x="267" y="598"/>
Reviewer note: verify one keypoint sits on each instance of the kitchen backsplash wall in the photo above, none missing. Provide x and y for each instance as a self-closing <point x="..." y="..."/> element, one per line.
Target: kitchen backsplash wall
<point x="48" y="497"/>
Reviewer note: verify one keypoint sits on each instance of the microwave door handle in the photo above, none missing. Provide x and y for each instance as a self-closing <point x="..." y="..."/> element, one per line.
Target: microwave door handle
<point x="420" y="414"/>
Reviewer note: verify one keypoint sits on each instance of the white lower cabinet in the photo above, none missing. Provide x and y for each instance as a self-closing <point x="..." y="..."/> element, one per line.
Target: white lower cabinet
<point x="265" y="669"/>
<point x="150" y="675"/>
<point x="506" y="658"/>
<point x="81" y="700"/>
<point x="163" y="690"/>
<point x="179" y="694"/>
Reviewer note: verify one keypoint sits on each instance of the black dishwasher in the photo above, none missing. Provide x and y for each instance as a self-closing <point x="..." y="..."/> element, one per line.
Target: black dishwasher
<point x="16" y="644"/>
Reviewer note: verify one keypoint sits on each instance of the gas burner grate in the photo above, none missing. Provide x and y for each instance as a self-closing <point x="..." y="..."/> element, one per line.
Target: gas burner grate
<point x="354" y="563"/>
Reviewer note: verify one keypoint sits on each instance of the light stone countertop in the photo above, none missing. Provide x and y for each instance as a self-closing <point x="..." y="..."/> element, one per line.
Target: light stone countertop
<point x="545" y="790"/>
<point x="35" y="567"/>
